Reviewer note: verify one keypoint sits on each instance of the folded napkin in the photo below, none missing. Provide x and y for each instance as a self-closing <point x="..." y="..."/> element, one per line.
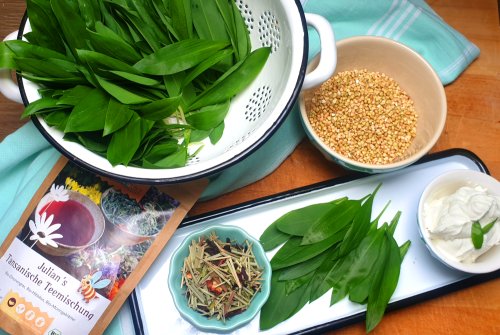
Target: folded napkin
<point x="411" y="22"/>
<point x="26" y="158"/>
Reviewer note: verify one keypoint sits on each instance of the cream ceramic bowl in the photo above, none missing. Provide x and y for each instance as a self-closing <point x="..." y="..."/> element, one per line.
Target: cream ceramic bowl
<point x="444" y="185"/>
<point x="415" y="76"/>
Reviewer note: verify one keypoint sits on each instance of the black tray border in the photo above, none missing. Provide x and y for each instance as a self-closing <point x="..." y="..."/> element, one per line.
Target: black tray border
<point x="133" y="299"/>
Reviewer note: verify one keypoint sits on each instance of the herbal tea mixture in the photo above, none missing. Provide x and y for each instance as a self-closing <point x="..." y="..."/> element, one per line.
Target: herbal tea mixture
<point x="365" y="116"/>
<point x="220" y="278"/>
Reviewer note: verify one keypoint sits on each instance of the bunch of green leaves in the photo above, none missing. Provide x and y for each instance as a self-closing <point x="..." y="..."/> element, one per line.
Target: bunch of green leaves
<point x="135" y="81"/>
<point x="334" y="246"/>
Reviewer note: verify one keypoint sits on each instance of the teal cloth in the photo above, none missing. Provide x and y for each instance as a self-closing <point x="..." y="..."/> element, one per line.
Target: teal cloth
<point x="26" y="158"/>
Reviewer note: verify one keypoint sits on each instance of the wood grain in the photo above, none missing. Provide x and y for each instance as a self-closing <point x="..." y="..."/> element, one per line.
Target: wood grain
<point x="473" y="123"/>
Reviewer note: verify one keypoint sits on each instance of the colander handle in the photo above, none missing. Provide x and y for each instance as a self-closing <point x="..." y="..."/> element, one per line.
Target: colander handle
<point x="8" y="88"/>
<point x="328" y="57"/>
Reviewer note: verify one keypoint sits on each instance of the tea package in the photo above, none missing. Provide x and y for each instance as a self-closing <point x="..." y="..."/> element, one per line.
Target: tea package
<point x="81" y="246"/>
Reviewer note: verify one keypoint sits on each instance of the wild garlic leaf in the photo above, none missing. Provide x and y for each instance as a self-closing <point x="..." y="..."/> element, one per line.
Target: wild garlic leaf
<point x="28" y="50"/>
<point x="359" y="226"/>
<point x="89" y="114"/>
<point x="293" y="252"/>
<point x="182" y="18"/>
<point x="121" y="94"/>
<point x="234" y="80"/>
<point x="125" y="141"/>
<point x="74" y="95"/>
<point x="161" y="151"/>
<point x="176" y="159"/>
<point x="42" y="105"/>
<point x="297" y="222"/>
<point x="273" y="237"/>
<point x="216" y="133"/>
<point x="205" y="65"/>
<point x="208" y="21"/>
<point x="242" y="38"/>
<point x="140" y="27"/>
<point x="90" y="12"/>
<point x="279" y="305"/>
<point x="45" y="30"/>
<point x="91" y="140"/>
<point x="179" y="56"/>
<point x="117" y="116"/>
<point x="296" y="283"/>
<point x="71" y="24"/>
<point x="356" y="265"/>
<point x="107" y="42"/>
<point x="477" y="235"/>
<point x="160" y="109"/>
<point x="208" y="117"/>
<point x="385" y="284"/>
<point x="332" y="222"/>
<point x="136" y="79"/>
<point x="58" y="118"/>
<point x="301" y="269"/>
<point x="100" y="61"/>
<point x="46" y="68"/>
<point x="487" y="227"/>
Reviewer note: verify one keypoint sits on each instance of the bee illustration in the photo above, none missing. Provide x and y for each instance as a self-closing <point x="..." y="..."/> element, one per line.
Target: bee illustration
<point x="90" y="283"/>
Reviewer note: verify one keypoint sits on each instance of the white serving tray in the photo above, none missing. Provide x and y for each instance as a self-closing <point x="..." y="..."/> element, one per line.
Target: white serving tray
<point x="422" y="276"/>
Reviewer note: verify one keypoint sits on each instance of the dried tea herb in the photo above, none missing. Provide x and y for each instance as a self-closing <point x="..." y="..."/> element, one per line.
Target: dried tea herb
<point x="220" y="278"/>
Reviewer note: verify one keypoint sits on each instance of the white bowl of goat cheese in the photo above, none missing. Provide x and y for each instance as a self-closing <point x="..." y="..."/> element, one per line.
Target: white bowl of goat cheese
<point x="459" y="220"/>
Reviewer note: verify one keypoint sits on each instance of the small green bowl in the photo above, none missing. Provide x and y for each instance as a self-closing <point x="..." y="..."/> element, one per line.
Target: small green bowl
<point x="178" y="294"/>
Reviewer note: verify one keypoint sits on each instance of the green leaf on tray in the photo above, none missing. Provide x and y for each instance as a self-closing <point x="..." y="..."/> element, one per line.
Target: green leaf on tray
<point x="384" y="284"/>
<point x="280" y="306"/>
<point x="297" y="222"/>
<point x="273" y="237"/>
<point x="301" y="269"/>
<point x="293" y="252"/>
<point x="360" y="260"/>
<point x="338" y="217"/>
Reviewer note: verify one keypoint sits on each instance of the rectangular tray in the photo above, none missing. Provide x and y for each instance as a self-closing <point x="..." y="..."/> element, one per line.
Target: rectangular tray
<point x="422" y="276"/>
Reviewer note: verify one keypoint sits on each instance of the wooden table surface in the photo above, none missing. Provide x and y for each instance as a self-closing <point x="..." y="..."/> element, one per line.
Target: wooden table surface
<point x="473" y="123"/>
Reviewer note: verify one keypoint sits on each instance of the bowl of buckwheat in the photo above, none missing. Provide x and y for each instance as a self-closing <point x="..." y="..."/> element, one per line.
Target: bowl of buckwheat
<point x="382" y="109"/>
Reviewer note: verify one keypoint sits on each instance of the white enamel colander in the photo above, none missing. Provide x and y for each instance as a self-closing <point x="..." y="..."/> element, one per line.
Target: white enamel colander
<point x="254" y="114"/>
